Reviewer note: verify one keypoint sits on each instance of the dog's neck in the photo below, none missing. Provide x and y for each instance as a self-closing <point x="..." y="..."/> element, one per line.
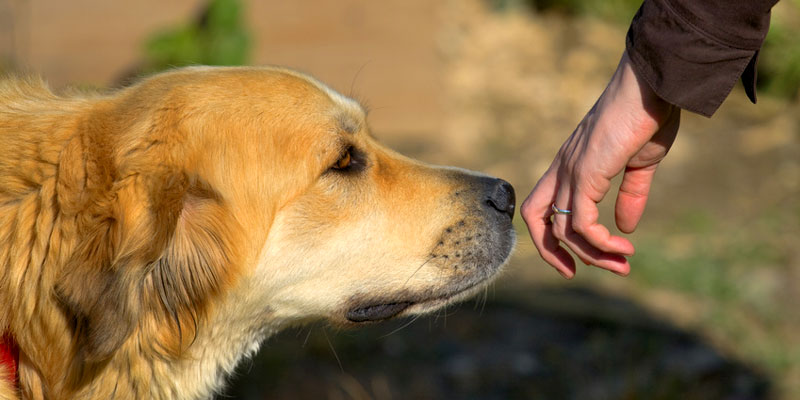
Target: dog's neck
<point x="215" y="355"/>
<point x="225" y="340"/>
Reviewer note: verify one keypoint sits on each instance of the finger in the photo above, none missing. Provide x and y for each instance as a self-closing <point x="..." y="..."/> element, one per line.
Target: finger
<point x="547" y="245"/>
<point x="632" y="197"/>
<point x="558" y="221"/>
<point x="556" y="255"/>
<point x="585" y="223"/>
<point x="590" y="255"/>
<point x="535" y="211"/>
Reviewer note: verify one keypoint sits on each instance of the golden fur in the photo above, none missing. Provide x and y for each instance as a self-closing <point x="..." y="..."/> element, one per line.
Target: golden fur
<point x="152" y="237"/>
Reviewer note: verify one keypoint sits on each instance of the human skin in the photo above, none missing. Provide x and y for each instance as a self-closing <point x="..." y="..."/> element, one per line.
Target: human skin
<point x="629" y="130"/>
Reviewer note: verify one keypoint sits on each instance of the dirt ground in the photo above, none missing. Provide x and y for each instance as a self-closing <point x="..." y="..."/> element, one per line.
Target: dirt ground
<point x="708" y="311"/>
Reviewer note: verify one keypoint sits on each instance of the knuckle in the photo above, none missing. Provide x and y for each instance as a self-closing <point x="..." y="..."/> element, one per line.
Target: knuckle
<point x="526" y="209"/>
<point x="579" y="227"/>
<point x="578" y="172"/>
<point x="559" y="232"/>
<point x="566" y="171"/>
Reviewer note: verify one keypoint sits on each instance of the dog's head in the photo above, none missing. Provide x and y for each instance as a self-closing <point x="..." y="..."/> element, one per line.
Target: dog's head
<point x="260" y="193"/>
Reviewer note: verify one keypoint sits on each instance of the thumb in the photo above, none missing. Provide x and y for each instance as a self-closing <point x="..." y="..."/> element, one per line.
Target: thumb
<point x="632" y="197"/>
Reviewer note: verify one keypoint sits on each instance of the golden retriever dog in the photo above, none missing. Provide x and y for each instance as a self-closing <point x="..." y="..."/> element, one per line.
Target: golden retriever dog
<point x="153" y="237"/>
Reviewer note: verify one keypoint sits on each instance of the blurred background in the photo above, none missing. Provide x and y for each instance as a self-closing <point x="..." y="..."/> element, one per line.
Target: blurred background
<point x="708" y="311"/>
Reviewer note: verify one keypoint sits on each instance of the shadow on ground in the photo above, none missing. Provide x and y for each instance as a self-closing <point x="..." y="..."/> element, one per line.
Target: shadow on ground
<point x="557" y="343"/>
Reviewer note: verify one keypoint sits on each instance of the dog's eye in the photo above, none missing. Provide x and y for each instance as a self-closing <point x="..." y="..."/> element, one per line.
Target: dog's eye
<point x="351" y="161"/>
<point x="344" y="161"/>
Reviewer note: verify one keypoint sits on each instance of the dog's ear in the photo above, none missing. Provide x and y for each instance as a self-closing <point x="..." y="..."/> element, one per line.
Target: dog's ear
<point x="163" y="251"/>
<point x="122" y="231"/>
<point x="199" y="263"/>
<point x="150" y="243"/>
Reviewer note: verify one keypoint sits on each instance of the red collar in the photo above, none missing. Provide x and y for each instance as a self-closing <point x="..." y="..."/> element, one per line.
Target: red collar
<point x="9" y="355"/>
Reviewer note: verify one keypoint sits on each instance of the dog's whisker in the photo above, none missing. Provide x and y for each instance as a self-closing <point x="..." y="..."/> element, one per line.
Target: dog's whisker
<point x="411" y="321"/>
<point x="442" y="314"/>
<point x="484" y="299"/>
<point x="355" y="78"/>
<point x="415" y="271"/>
<point x="308" y="335"/>
<point x="476" y="301"/>
<point x="333" y="350"/>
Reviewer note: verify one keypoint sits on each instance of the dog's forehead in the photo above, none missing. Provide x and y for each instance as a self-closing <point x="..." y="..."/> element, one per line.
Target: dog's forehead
<point x="339" y="99"/>
<point x="348" y="113"/>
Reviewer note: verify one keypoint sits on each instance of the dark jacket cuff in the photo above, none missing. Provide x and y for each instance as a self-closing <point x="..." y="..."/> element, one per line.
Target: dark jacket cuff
<point x="683" y="63"/>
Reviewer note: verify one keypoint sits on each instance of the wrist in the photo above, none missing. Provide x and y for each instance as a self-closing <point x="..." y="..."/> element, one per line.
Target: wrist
<point x="629" y="94"/>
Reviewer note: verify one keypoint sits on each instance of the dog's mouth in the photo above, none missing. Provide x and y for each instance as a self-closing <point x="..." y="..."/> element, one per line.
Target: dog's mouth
<point x="378" y="310"/>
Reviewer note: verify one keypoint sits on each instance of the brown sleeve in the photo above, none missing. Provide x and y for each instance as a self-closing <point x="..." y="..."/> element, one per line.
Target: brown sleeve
<point x="692" y="52"/>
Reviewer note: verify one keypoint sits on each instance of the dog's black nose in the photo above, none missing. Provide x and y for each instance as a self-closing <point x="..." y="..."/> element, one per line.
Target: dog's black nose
<point x="501" y="197"/>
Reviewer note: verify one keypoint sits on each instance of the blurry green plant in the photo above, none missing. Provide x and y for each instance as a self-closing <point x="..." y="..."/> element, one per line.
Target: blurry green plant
<point x="218" y="37"/>
<point x="741" y="304"/>
<point x="779" y="65"/>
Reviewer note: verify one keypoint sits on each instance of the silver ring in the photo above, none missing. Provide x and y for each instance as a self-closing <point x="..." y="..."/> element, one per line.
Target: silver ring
<point x="558" y="210"/>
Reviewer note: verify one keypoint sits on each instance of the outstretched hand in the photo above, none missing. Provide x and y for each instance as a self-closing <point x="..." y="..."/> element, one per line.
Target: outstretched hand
<point x="629" y="130"/>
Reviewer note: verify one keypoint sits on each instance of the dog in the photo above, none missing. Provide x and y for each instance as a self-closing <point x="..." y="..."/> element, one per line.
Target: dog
<point x="152" y="237"/>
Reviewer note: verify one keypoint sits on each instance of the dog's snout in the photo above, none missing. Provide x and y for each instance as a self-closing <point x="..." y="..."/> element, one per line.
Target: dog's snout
<point x="501" y="197"/>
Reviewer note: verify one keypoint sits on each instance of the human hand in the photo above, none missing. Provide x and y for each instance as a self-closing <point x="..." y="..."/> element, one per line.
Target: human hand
<point x="630" y="129"/>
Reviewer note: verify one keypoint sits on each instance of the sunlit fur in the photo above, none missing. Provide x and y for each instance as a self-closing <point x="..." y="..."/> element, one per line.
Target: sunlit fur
<point x="152" y="237"/>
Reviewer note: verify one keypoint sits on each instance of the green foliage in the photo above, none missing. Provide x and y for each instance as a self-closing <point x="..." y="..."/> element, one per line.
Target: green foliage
<point x="217" y="38"/>
<point x="689" y="256"/>
<point x="779" y="64"/>
<point x="735" y="276"/>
